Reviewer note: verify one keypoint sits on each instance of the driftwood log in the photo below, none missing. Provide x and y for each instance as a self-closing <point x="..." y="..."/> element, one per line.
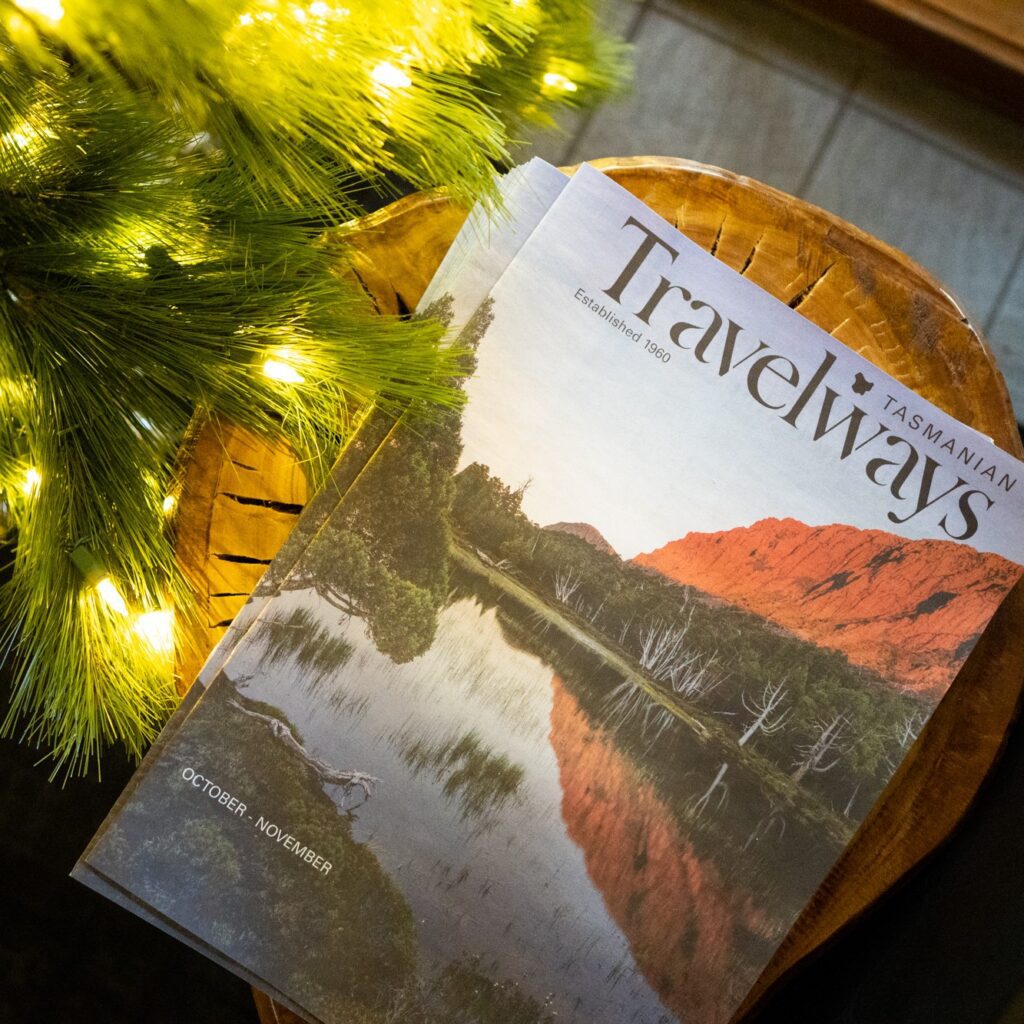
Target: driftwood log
<point x="241" y="496"/>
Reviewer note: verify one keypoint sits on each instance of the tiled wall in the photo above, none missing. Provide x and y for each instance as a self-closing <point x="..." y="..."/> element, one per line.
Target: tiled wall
<point x="819" y="112"/>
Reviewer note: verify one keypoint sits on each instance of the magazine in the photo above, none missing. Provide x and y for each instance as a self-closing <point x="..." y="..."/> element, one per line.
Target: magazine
<point x="574" y="696"/>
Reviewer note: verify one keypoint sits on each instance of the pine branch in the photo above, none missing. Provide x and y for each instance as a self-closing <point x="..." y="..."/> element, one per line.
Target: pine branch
<point x="166" y="171"/>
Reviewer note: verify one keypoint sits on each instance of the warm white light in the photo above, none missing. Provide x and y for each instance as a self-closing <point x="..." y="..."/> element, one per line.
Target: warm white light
<point x="157" y="630"/>
<point x="31" y="481"/>
<point x="112" y="598"/>
<point x="49" y="9"/>
<point x="245" y="19"/>
<point x="319" y="9"/>
<point x="168" y="505"/>
<point x="555" y="80"/>
<point x="389" y="75"/>
<point x="281" y="369"/>
<point x="24" y="136"/>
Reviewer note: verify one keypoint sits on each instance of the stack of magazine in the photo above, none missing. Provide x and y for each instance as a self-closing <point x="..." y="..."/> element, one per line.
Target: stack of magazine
<point x="559" y="706"/>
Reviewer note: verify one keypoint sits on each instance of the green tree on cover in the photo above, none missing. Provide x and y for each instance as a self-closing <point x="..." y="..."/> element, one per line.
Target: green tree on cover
<point x="383" y="553"/>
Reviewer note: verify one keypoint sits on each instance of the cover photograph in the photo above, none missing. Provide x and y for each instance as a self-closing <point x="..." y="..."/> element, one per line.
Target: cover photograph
<point x="569" y="704"/>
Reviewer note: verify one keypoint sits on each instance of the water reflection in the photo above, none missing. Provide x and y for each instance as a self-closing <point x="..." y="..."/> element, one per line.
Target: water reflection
<point x="482" y="782"/>
<point x="684" y="925"/>
<point x="467" y="818"/>
<point x="530" y="830"/>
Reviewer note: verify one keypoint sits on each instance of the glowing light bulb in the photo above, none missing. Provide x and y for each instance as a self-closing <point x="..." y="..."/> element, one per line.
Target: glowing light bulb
<point x="388" y="75"/>
<point x="157" y="630"/>
<point x="31" y="481"/>
<point x="112" y="598"/>
<point x="281" y="368"/>
<point x="49" y="9"/>
<point x="556" y="80"/>
<point x="168" y="504"/>
<point x="24" y="136"/>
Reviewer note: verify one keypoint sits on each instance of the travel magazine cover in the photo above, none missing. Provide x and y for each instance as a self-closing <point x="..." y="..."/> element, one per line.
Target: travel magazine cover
<point x="568" y="704"/>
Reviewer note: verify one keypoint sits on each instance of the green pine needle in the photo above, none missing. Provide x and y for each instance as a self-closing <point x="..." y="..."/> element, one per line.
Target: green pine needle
<point x="166" y="172"/>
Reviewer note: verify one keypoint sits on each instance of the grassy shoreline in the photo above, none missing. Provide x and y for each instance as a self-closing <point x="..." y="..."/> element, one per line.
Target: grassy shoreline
<point x="708" y="731"/>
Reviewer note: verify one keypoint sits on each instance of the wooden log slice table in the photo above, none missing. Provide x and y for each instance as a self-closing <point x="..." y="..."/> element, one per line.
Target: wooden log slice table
<point x="241" y="495"/>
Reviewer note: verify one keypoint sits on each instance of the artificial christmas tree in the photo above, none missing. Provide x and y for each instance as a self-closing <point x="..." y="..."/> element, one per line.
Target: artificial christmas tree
<point x="166" y="172"/>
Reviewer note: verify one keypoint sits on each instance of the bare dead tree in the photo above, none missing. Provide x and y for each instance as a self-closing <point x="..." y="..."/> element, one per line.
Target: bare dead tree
<point x="904" y="734"/>
<point x="698" y="805"/>
<point x="763" y="708"/>
<point x="663" y="644"/>
<point x="539" y="623"/>
<point x="349" y="781"/>
<point x="624" y="630"/>
<point x="910" y="727"/>
<point x="848" y="809"/>
<point x="814" y="757"/>
<point x="484" y="557"/>
<point x="629" y="703"/>
<point x="585" y="610"/>
<point x="661" y="648"/>
<point x="696" y="675"/>
<point x="567" y="582"/>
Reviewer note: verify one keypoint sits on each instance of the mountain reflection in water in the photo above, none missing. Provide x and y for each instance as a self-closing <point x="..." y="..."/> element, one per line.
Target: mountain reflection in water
<point x="522" y="832"/>
<point x="681" y="921"/>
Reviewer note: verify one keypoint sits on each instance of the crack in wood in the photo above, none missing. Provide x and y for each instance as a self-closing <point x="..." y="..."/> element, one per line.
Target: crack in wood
<point x="286" y="507"/>
<point x="801" y="296"/>
<point x="232" y="593"/>
<point x="718" y="237"/>
<point x="241" y="559"/>
<point x="243" y="465"/>
<point x="751" y="254"/>
<point x="366" y="289"/>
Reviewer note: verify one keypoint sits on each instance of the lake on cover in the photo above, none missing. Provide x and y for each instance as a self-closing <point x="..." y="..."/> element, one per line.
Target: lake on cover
<point x="612" y="875"/>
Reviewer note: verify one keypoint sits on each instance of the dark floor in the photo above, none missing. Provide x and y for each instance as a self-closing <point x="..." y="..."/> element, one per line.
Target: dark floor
<point x="66" y="955"/>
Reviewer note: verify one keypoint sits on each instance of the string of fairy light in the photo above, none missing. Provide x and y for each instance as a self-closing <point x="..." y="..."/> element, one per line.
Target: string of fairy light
<point x="388" y="76"/>
<point x="156" y="626"/>
<point x="153" y="626"/>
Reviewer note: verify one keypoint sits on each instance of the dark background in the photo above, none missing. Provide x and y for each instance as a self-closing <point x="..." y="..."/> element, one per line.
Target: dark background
<point x="946" y="947"/>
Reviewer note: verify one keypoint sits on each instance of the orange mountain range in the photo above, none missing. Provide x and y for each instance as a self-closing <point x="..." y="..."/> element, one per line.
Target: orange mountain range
<point x="910" y="610"/>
